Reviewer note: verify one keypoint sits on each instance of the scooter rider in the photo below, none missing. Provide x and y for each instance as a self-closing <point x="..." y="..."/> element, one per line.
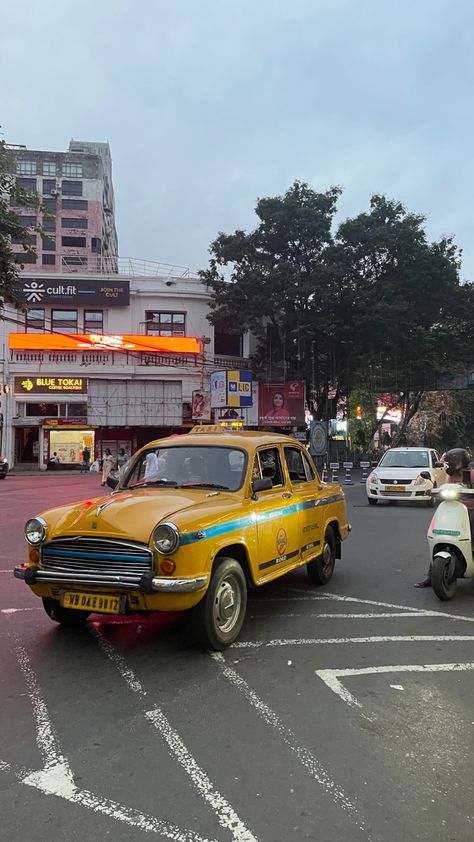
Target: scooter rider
<point x="458" y="470"/>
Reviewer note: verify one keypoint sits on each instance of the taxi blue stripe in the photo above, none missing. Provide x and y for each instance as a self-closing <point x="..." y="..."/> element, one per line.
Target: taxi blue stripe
<point x="250" y="520"/>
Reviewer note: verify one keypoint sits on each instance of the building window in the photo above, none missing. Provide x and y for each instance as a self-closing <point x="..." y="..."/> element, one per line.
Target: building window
<point x="64" y="321"/>
<point x="49" y="186"/>
<point x="78" y="242"/>
<point x="49" y="205"/>
<point x="48" y="260"/>
<point x="228" y="344"/>
<point x="75" y="204"/>
<point x="73" y="260"/>
<point x="49" y="224"/>
<point x="72" y="170"/>
<point x="71" y="222"/>
<point x="26" y="167"/>
<point x="27" y="221"/>
<point x="26" y="183"/>
<point x="27" y="240"/>
<point x="72" y="188"/>
<point x="24" y="257"/>
<point x="49" y="167"/>
<point x="96" y="245"/>
<point x="34" y="320"/>
<point x="49" y="243"/>
<point x="77" y="410"/>
<point x="93" y="321"/>
<point x="49" y="410"/>
<point x="165" y="324"/>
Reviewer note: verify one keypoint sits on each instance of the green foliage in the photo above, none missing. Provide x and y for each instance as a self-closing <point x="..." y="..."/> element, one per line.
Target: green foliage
<point x="11" y="226"/>
<point x="373" y="305"/>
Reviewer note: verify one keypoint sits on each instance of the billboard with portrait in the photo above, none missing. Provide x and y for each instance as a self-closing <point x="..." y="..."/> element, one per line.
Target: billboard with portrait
<point x="281" y="404"/>
<point x="201" y="406"/>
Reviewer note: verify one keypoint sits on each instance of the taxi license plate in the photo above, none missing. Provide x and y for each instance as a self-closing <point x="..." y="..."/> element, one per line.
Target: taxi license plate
<point x="394" y="488"/>
<point x="97" y="602"/>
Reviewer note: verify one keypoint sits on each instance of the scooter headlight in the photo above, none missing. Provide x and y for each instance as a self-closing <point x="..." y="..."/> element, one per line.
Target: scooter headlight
<point x="450" y="493"/>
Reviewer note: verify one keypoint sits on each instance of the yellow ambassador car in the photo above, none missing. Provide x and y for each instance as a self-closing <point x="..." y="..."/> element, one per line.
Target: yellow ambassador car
<point x="194" y="521"/>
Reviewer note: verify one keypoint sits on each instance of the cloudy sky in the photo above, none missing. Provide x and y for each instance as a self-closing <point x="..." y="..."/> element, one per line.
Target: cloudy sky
<point x="209" y="104"/>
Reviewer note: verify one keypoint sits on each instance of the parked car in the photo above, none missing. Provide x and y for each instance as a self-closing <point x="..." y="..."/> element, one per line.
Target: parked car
<point x="193" y="522"/>
<point x="3" y="467"/>
<point x="397" y="476"/>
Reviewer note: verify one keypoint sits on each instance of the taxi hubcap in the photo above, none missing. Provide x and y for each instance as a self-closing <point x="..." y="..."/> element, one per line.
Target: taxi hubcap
<point x="227" y="603"/>
<point x="327" y="555"/>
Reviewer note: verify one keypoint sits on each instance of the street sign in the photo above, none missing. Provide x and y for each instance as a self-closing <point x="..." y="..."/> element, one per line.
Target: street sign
<point x="318" y="438"/>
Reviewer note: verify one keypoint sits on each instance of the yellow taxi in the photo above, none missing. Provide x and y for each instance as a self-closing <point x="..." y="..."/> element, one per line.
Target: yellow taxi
<point x="193" y="522"/>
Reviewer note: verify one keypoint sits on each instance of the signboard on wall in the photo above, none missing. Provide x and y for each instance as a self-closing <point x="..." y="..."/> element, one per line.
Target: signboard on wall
<point x="201" y="406"/>
<point x="281" y="404"/>
<point x="231" y="388"/>
<point x="37" y="292"/>
<point x="49" y="385"/>
<point x="103" y="342"/>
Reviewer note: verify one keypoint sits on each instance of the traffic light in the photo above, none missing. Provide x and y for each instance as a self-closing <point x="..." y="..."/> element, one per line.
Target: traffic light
<point x="358" y="412"/>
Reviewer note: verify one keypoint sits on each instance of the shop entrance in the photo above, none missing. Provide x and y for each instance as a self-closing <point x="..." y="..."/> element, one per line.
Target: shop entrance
<point x="26" y="445"/>
<point x="69" y="444"/>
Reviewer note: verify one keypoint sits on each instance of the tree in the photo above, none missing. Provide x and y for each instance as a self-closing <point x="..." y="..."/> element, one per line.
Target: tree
<point x="373" y="305"/>
<point x="11" y="227"/>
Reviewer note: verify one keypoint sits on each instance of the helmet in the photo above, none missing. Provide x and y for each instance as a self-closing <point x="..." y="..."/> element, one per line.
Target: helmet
<point x="457" y="460"/>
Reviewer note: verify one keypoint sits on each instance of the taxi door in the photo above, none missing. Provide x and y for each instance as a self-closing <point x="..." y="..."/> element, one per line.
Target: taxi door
<point x="307" y="492"/>
<point x="276" y="517"/>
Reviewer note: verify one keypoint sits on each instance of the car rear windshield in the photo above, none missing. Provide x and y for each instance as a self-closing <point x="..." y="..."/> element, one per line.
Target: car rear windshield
<point x="405" y="459"/>
<point x="200" y="466"/>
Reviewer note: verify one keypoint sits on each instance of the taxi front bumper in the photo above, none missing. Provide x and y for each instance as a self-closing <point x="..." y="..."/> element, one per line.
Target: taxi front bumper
<point x="146" y="584"/>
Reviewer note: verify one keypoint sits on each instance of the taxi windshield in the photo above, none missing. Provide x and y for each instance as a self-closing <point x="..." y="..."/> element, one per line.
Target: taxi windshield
<point x="197" y="466"/>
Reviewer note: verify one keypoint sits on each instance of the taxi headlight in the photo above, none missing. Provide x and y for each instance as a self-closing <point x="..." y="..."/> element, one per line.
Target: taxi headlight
<point x="166" y="538"/>
<point x="35" y="531"/>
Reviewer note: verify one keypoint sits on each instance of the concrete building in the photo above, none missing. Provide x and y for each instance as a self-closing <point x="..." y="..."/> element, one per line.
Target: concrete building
<point x="106" y="361"/>
<point x="77" y="194"/>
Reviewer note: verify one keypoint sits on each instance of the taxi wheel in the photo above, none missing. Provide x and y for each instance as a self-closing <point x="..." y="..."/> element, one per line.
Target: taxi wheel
<point x="321" y="569"/>
<point x="218" y="618"/>
<point x="64" y="616"/>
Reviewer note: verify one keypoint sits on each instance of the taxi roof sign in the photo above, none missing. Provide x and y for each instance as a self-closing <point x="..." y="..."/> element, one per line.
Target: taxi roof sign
<point x="223" y="427"/>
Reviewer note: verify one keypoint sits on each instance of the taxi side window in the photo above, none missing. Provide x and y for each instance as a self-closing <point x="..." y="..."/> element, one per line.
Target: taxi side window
<point x="270" y="465"/>
<point x="311" y="476"/>
<point x="295" y="464"/>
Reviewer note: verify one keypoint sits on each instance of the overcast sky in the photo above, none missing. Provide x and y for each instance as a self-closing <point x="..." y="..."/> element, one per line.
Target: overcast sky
<point x="210" y="104"/>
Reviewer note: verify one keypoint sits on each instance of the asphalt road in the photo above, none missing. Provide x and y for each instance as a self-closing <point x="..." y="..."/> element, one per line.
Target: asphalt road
<point x="342" y="714"/>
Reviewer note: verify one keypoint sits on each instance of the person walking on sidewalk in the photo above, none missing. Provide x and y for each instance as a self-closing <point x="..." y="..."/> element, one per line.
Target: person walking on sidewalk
<point x="86" y="460"/>
<point x="108" y="463"/>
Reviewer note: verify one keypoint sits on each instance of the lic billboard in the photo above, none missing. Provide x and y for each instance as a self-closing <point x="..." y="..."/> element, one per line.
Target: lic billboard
<point x="231" y="389"/>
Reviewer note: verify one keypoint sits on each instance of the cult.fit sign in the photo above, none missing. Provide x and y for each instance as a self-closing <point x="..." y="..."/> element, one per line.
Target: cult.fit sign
<point x="88" y="293"/>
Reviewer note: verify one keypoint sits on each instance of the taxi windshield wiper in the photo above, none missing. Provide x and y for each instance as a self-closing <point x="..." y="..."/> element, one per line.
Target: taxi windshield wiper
<point x="204" y="485"/>
<point x="166" y="482"/>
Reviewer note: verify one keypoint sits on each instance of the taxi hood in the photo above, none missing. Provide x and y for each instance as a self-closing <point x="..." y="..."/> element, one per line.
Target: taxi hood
<point x="131" y="515"/>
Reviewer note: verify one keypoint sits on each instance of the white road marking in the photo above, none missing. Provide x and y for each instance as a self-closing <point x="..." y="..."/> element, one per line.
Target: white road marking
<point x="16" y="610"/>
<point x="226" y="815"/>
<point x="316" y="641"/>
<point x="308" y="760"/>
<point x="337" y="598"/>
<point x="331" y="677"/>
<point x="397" y="687"/>
<point x="56" y="777"/>
<point x="338" y="616"/>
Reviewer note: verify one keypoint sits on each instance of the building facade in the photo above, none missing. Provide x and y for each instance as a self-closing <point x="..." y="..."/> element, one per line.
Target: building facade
<point x="76" y="192"/>
<point x="105" y="361"/>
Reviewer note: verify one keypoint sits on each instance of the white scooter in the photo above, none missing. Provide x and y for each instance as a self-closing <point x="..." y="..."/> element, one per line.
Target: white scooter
<point x="450" y="540"/>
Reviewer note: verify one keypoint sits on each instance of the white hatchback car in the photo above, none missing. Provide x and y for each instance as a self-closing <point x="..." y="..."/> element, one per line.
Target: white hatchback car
<point x="397" y="476"/>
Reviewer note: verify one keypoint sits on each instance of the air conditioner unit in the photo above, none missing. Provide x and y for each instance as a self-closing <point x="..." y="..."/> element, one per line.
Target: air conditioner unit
<point x="55" y="192"/>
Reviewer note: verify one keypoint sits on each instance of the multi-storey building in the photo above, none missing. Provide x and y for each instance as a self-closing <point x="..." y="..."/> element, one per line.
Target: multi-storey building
<point x="76" y="192"/>
<point x="106" y="360"/>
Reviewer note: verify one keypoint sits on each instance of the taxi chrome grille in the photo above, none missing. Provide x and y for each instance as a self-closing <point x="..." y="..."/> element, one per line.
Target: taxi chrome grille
<point x="100" y="561"/>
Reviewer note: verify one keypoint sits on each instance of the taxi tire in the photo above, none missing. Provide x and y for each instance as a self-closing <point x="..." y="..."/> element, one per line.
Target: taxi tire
<point x="320" y="572"/>
<point x="205" y="629"/>
<point x="64" y="616"/>
<point x="372" y="501"/>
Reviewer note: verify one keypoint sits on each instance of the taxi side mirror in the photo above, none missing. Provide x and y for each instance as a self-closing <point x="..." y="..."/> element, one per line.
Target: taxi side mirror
<point x="264" y="484"/>
<point x="112" y="482"/>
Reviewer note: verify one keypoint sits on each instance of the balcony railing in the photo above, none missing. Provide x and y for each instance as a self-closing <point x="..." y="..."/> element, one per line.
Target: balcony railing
<point x="136" y="267"/>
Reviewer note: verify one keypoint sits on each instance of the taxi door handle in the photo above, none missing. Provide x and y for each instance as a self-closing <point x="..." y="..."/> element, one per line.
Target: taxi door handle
<point x="286" y="495"/>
